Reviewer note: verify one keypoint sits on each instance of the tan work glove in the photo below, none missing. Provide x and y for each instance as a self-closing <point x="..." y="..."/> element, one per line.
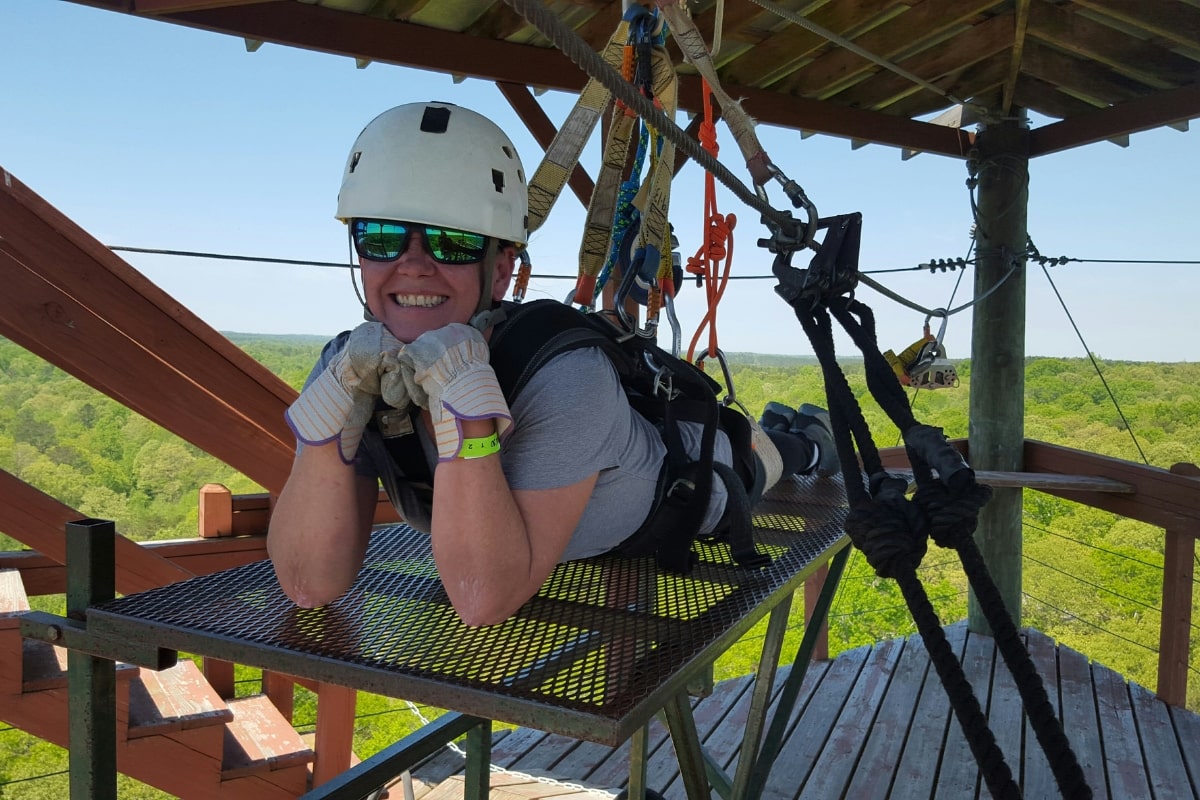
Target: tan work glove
<point x="452" y="378"/>
<point x="339" y="403"/>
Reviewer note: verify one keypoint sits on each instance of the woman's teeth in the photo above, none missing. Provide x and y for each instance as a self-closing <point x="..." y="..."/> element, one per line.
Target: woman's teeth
<point x="418" y="300"/>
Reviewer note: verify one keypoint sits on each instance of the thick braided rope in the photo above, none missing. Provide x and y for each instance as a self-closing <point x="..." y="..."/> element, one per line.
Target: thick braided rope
<point x="891" y="531"/>
<point x="952" y="515"/>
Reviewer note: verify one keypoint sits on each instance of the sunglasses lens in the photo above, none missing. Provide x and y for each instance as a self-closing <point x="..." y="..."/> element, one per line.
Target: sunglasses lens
<point x="377" y="240"/>
<point x="384" y="240"/>
<point x="455" y="247"/>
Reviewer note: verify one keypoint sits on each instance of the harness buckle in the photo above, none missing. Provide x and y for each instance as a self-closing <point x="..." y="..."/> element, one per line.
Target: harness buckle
<point x="664" y="384"/>
<point x="681" y="491"/>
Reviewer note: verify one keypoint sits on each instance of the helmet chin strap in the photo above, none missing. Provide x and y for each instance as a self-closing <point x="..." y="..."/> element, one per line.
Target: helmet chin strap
<point x="487" y="312"/>
<point x="367" y="315"/>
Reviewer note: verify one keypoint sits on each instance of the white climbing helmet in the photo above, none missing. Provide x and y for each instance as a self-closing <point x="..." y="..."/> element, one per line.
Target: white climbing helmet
<point x="437" y="164"/>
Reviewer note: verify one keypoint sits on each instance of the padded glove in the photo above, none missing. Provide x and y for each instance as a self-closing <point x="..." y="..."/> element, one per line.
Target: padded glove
<point x="452" y="378"/>
<point x="339" y="402"/>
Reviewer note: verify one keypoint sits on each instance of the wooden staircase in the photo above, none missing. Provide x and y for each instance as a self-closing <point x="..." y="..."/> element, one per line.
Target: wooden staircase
<point x="175" y="732"/>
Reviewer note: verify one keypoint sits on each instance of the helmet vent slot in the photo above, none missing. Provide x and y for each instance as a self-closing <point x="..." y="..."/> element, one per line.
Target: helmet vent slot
<point x="435" y="120"/>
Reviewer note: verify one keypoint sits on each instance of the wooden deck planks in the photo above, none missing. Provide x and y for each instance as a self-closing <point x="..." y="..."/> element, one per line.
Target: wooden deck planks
<point x="834" y="767"/>
<point x="916" y="775"/>
<point x="1187" y="729"/>
<point x="885" y="744"/>
<point x="1006" y="718"/>
<point x="876" y="723"/>
<point x="1123" y="762"/>
<point x="1164" y="762"/>
<point x="1037" y="777"/>
<point x="808" y="734"/>
<point x="959" y="774"/>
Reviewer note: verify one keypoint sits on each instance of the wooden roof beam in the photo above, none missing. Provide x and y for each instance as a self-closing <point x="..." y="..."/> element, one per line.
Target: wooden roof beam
<point x="1018" y="49"/>
<point x="325" y="30"/>
<point x="1081" y="36"/>
<point x="1174" y="22"/>
<point x="1165" y="108"/>
<point x="1083" y="78"/>
<point x="155" y="7"/>
<point x="971" y="47"/>
<point x="838" y="66"/>
<point x="780" y="54"/>
<point x="975" y="81"/>
<point x="539" y="125"/>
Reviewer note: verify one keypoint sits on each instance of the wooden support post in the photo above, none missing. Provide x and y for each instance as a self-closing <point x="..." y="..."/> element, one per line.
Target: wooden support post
<point x="281" y="690"/>
<point x="334" y="741"/>
<point x="219" y="675"/>
<point x="216" y="511"/>
<point x="91" y="681"/>
<point x="997" y="406"/>
<point x="1175" y="629"/>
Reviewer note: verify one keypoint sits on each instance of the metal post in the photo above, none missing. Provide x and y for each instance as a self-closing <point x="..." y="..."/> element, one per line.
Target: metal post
<point x="639" y="759"/>
<point x="477" y="780"/>
<point x="688" y="751"/>
<point x="773" y="741"/>
<point x="91" y="681"/>
<point x="764" y="683"/>
<point x="997" y="404"/>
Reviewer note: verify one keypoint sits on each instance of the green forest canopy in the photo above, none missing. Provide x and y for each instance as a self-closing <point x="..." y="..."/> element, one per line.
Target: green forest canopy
<point x="1092" y="580"/>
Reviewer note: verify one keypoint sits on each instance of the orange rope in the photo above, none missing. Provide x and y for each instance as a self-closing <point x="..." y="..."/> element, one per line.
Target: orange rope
<point x="718" y="241"/>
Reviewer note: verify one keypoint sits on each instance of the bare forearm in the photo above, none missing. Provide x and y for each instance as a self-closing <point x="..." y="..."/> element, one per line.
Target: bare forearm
<point x="481" y="544"/>
<point x="319" y="531"/>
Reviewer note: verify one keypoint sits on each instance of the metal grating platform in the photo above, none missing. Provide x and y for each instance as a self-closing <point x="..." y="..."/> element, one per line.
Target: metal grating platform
<point x="593" y="655"/>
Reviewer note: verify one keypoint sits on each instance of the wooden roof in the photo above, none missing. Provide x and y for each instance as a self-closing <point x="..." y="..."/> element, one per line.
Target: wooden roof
<point x="1089" y="69"/>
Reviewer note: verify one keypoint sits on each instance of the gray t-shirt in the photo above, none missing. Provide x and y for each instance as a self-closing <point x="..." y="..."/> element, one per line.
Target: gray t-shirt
<point x="570" y="420"/>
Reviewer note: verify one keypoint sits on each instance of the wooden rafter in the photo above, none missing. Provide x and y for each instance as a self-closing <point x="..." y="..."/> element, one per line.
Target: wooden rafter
<point x="1116" y="51"/>
<point x="1144" y="61"/>
<point x="176" y="6"/>
<point x="1163" y="108"/>
<point x="1175" y="22"/>
<point x="1018" y="49"/>
<point x="325" y="30"/>
<point x="978" y="44"/>
<point x="932" y="17"/>
<point x="543" y="130"/>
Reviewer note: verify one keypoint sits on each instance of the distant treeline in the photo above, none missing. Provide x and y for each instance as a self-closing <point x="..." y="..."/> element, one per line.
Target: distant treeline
<point x="1092" y="580"/>
<point x="99" y="457"/>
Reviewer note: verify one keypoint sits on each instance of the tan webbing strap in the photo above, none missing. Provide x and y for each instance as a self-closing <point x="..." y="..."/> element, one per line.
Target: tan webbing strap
<point x="653" y="199"/>
<point x="656" y="204"/>
<point x="563" y="153"/>
<point x="597" y="229"/>
<point x="691" y="42"/>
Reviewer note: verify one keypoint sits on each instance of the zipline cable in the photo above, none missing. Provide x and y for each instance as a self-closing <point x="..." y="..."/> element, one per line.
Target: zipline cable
<point x="1096" y="366"/>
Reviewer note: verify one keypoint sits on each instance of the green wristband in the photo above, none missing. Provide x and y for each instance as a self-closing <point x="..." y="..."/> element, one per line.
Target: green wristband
<point x="478" y="448"/>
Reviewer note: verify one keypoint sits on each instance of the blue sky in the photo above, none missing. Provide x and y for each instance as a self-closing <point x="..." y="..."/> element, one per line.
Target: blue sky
<point x="153" y="135"/>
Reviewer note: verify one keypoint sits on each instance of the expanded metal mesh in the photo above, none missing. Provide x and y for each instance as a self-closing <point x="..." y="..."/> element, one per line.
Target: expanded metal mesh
<point x="599" y="637"/>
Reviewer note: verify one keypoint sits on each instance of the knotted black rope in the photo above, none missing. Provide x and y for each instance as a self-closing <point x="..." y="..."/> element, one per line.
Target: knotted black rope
<point x="891" y="532"/>
<point x="950" y="504"/>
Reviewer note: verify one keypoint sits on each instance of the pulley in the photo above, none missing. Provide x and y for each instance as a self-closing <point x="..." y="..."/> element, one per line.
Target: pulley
<point x="924" y="364"/>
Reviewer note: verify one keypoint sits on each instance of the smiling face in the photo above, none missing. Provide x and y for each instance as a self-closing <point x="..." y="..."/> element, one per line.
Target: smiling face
<point x="414" y="293"/>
